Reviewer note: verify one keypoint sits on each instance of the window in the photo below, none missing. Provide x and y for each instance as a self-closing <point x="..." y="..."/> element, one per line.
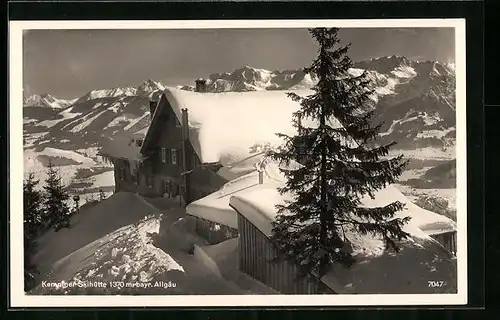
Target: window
<point x="174" y="156"/>
<point x="163" y="155"/>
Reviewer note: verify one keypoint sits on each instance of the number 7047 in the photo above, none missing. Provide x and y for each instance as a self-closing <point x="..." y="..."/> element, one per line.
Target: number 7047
<point x="436" y="284"/>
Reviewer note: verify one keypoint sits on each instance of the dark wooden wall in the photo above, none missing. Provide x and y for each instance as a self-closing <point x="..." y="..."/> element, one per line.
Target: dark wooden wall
<point x="204" y="181"/>
<point x="256" y="258"/>
<point x="448" y="240"/>
<point x="124" y="181"/>
<point x="169" y="135"/>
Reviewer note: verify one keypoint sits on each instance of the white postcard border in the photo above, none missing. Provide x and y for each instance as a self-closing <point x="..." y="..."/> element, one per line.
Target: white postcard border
<point x="19" y="299"/>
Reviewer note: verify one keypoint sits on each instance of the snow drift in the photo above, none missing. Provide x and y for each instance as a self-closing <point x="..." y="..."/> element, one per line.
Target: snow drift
<point x="124" y="245"/>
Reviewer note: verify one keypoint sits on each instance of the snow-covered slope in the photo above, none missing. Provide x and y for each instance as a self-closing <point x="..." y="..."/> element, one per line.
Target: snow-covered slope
<point x="420" y="112"/>
<point x="82" y="171"/>
<point x="97" y="115"/>
<point x="134" y="247"/>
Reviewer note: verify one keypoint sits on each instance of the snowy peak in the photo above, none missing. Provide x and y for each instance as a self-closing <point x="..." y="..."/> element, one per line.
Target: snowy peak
<point x="145" y="89"/>
<point x="108" y="93"/>
<point x="250" y="74"/>
<point x="384" y="64"/>
<point x="253" y="79"/>
<point x="242" y="79"/>
<point x="149" y="87"/>
<point x="46" y="101"/>
<point x="440" y="69"/>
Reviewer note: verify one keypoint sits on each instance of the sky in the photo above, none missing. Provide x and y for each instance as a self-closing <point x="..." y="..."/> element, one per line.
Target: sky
<point x="69" y="63"/>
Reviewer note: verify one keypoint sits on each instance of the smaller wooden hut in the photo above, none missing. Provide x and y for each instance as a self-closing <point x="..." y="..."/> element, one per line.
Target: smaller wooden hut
<point x="259" y="258"/>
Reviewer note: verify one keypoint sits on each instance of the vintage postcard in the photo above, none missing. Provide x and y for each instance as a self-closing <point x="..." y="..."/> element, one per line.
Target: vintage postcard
<point x="190" y="163"/>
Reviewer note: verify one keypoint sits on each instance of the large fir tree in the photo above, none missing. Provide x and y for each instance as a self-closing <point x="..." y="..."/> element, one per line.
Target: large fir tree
<point x="339" y="166"/>
<point x="57" y="213"/>
<point x="32" y="200"/>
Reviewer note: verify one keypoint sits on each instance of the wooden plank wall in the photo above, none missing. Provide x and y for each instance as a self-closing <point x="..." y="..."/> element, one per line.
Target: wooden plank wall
<point x="448" y="240"/>
<point x="256" y="254"/>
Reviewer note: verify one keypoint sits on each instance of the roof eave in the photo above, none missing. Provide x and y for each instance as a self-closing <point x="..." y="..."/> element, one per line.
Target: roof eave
<point x="154" y="120"/>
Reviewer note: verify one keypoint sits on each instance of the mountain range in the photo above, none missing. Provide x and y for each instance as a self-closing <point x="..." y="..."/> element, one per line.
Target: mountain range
<point x="47" y="101"/>
<point x="415" y="101"/>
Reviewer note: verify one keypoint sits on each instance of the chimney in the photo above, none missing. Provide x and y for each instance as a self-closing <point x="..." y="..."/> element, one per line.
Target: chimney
<point x="152" y="107"/>
<point x="261" y="177"/>
<point x="201" y="85"/>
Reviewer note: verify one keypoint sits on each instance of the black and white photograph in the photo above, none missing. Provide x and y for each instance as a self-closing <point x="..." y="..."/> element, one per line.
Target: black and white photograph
<point x="294" y="163"/>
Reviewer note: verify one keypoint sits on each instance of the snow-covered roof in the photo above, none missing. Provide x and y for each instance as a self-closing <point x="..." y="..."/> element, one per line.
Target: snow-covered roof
<point x="228" y="127"/>
<point x="215" y="207"/>
<point x="263" y="199"/>
<point x="123" y="146"/>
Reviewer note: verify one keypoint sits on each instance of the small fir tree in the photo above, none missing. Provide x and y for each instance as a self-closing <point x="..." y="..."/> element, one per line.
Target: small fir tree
<point x="32" y="200"/>
<point x="57" y="213"/>
<point x="339" y="165"/>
